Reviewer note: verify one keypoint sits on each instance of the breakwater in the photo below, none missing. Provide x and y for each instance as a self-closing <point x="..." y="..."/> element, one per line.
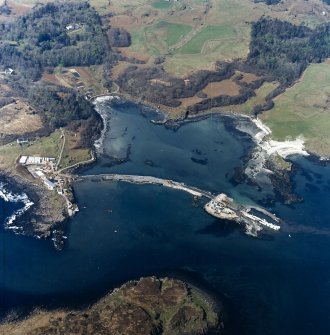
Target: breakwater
<point x="150" y="180"/>
<point x="220" y="206"/>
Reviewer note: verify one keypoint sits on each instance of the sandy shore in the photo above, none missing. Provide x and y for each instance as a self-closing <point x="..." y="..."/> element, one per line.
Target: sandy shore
<point x="282" y="148"/>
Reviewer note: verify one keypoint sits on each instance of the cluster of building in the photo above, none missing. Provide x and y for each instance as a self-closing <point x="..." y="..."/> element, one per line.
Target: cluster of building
<point x="37" y="160"/>
<point x="40" y="167"/>
<point x="223" y="207"/>
<point x="43" y="167"/>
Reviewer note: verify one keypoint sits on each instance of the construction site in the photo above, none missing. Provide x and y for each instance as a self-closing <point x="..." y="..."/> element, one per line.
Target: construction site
<point x="221" y="206"/>
<point x="254" y="218"/>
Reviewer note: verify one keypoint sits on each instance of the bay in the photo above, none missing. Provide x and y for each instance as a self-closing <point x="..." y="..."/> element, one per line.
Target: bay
<point x="276" y="284"/>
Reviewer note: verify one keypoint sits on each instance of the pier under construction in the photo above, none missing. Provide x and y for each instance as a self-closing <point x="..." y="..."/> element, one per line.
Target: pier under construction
<point x="254" y="218"/>
<point x="220" y="206"/>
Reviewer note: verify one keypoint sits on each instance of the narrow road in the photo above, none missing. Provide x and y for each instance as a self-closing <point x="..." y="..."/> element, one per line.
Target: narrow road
<point x="92" y="159"/>
<point x="117" y="88"/>
<point x="61" y="152"/>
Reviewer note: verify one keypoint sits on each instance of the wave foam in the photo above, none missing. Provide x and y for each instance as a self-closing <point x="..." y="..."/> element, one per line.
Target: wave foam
<point x="8" y="196"/>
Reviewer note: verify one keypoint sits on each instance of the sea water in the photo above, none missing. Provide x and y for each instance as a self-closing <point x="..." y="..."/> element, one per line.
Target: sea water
<point x="276" y="284"/>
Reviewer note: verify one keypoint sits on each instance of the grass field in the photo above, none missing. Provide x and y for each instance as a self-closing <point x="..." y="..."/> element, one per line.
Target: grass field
<point x="72" y="153"/>
<point x="161" y="4"/>
<point x="174" y="31"/>
<point x="259" y="99"/>
<point x="304" y="110"/>
<point x="195" y="45"/>
<point x="48" y="146"/>
<point x="181" y="65"/>
<point x="19" y="118"/>
<point x="156" y="39"/>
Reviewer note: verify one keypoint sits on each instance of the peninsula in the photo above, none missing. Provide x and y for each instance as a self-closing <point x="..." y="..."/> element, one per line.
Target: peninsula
<point x="148" y="306"/>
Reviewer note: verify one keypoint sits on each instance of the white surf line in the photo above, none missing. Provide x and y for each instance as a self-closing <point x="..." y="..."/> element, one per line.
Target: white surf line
<point x="8" y="196"/>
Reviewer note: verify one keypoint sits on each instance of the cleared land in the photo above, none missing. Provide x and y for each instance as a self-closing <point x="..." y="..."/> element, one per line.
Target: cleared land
<point x="17" y="8"/>
<point x="86" y="80"/>
<point x="225" y="87"/>
<point x="18" y="118"/>
<point x="304" y="110"/>
<point x="48" y="146"/>
<point x="259" y="99"/>
<point x="209" y="33"/>
<point x="249" y="77"/>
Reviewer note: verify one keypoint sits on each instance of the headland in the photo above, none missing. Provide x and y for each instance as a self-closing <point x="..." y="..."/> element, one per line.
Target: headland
<point x="147" y="306"/>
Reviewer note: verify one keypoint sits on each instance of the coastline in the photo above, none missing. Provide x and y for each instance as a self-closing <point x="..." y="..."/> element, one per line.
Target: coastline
<point x="98" y="143"/>
<point x="260" y="161"/>
<point x="44" y="211"/>
<point x="39" y="216"/>
<point x="14" y="197"/>
<point x="267" y="159"/>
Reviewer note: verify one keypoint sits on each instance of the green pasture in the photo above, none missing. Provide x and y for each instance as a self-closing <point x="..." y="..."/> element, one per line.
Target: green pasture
<point x="304" y="110"/>
<point x="158" y="38"/>
<point x="196" y="44"/>
<point x="161" y="4"/>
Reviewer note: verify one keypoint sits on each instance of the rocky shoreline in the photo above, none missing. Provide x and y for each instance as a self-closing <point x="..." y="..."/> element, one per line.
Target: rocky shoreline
<point x="42" y="216"/>
<point x="257" y="165"/>
<point x="258" y="168"/>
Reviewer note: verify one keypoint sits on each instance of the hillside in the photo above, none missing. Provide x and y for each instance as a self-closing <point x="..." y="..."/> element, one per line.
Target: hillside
<point x="190" y="40"/>
<point x="193" y="34"/>
<point x="193" y="55"/>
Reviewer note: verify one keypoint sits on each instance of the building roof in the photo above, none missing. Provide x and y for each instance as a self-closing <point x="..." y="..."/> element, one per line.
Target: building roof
<point x="49" y="184"/>
<point x="23" y="159"/>
<point x="40" y="173"/>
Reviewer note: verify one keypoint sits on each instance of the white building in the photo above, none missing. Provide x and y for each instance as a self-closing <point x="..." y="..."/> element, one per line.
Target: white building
<point x="23" y="160"/>
<point x="50" y="185"/>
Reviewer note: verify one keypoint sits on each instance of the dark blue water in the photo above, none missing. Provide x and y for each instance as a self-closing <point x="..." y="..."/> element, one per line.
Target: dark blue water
<point x="274" y="285"/>
<point x="7" y="209"/>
